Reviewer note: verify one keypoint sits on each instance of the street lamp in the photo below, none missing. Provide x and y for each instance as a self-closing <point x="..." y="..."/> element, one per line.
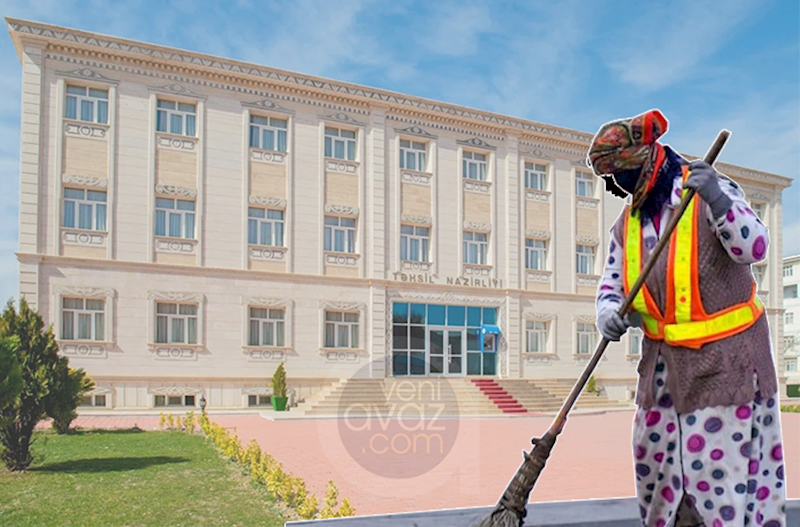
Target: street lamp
<point x="203" y="403"/>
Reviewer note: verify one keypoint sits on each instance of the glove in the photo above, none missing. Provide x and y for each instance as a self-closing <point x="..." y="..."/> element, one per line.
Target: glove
<point x="705" y="180"/>
<point x="611" y="325"/>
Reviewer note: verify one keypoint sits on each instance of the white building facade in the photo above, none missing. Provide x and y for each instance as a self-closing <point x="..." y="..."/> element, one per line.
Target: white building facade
<point x="791" y="321"/>
<point x="188" y="222"/>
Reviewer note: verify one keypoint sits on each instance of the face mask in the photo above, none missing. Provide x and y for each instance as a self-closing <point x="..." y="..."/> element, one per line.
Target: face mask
<point x="626" y="179"/>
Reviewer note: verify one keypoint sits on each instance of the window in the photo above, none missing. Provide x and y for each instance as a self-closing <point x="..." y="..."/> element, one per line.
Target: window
<point x="176" y="323"/>
<point x="535" y="176"/>
<point x="87" y="104"/>
<point x="413" y="155"/>
<point x="93" y="400"/>
<point x="266" y="326"/>
<point x="585" y="259"/>
<point x="584" y="185"/>
<point x="475" y="247"/>
<point x="268" y="133"/>
<point x="536" y="254"/>
<point x="586" y="337"/>
<point x="790" y="291"/>
<point x="265" y="227"/>
<point x="341" y="329"/>
<point x="174" y="400"/>
<point x="259" y="400"/>
<point x="414" y="242"/>
<point x="758" y="275"/>
<point x="176" y="117"/>
<point x="175" y="218"/>
<point x="537" y="336"/>
<point x="788" y="318"/>
<point x="340" y="144"/>
<point x="635" y="341"/>
<point x="791" y="365"/>
<point x="83" y="319"/>
<point x="340" y="234"/>
<point x="788" y="343"/>
<point x="787" y="270"/>
<point x="474" y="165"/>
<point x="84" y="209"/>
<point x="758" y="208"/>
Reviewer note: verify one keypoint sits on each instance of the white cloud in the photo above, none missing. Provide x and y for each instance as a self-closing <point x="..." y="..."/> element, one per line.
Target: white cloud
<point x="668" y="42"/>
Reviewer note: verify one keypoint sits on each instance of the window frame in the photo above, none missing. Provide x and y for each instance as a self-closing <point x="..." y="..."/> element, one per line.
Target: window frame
<point x="78" y="203"/>
<point x="635" y="334"/>
<point x="587" y="180"/>
<point x="540" y="334"/>
<point x="529" y="250"/>
<point x="579" y="255"/>
<point x="272" y="226"/>
<point x="790" y="287"/>
<point x="407" y="241"/>
<point x="540" y="175"/>
<point x="87" y="97"/>
<point x="268" y="320"/>
<point x="176" y="111"/>
<point x="788" y="270"/>
<point x="258" y="400"/>
<point x="166" y="398"/>
<point x="788" y="318"/>
<point x="757" y="206"/>
<point x="415" y="153"/>
<point x="93" y="398"/>
<point x="178" y="315"/>
<point x="107" y="295"/>
<point x="265" y="128"/>
<point x="354" y="328"/>
<point x="175" y="211"/>
<point x="481" y="245"/>
<point x="76" y="312"/>
<point x="350" y="234"/>
<point x="585" y="333"/>
<point x="330" y="142"/>
<point x="467" y="162"/>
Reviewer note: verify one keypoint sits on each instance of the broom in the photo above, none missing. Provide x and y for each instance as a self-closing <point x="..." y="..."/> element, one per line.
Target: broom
<point x="510" y="510"/>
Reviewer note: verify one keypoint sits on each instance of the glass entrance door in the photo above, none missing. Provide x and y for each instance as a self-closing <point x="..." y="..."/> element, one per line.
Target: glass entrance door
<point x="445" y="351"/>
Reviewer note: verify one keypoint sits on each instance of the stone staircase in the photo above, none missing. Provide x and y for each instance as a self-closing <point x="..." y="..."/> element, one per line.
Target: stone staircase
<point x="384" y="397"/>
<point x="501" y="398"/>
<point x="547" y="395"/>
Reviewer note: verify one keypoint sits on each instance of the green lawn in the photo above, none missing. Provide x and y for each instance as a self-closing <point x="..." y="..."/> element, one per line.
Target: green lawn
<point x="125" y="477"/>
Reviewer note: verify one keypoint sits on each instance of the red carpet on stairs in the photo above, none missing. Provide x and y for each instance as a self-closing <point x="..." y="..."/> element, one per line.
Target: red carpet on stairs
<point x="499" y="396"/>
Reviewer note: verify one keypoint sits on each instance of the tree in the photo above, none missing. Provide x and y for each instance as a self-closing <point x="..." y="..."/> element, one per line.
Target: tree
<point x="36" y="351"/>
<point x="10" y="373"/>
<point x="68" y="389"/>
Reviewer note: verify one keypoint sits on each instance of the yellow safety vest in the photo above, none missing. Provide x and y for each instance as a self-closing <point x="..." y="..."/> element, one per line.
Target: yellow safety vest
<point x="685" y="323"/>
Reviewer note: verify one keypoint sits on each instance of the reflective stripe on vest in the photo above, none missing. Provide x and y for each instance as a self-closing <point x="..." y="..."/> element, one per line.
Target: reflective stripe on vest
<point x="685" y="322"/>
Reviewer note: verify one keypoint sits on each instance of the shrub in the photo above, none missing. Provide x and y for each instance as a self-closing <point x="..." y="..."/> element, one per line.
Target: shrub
<point x="279" y="381"/>
<point x="794" y="408"/>
<point x="10" y="373"/>
<point x="36" y="351"/>
<point x="70" y="386"/>
<point x="591" y="385"/>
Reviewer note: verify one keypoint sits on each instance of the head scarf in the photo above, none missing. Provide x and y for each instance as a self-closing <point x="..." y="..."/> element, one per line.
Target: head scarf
<point x="624" y="146"/>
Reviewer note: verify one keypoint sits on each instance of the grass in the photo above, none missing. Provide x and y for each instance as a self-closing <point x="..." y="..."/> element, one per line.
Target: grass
<point x="127" y="477"/>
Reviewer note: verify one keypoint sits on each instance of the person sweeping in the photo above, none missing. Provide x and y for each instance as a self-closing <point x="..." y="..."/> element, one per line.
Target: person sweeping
<point x="707" y="432"/>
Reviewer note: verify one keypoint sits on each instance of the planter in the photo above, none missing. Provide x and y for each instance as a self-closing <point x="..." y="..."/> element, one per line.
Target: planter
<point x="279" y="403"/>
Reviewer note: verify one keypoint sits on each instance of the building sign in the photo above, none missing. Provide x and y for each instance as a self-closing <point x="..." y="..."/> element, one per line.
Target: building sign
<point x="425" y="278"/>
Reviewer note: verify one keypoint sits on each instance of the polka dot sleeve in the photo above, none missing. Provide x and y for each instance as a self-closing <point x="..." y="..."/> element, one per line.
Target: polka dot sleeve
<point x="610" y="294"/>
<point x="739" y="230"/>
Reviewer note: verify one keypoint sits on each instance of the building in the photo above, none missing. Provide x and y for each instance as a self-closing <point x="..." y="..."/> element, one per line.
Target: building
<point x="791" y="323"/>
<point x="187" y="222"/>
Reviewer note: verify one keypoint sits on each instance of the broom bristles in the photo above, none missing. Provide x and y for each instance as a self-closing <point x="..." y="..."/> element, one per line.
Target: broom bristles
<point x="500" y="517"/>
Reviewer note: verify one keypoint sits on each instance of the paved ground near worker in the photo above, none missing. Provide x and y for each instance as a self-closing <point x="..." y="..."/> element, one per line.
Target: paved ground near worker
<point x="592" y="459"/>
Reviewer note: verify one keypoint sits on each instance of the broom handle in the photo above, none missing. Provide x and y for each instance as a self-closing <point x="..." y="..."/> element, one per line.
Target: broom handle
<point x="561" y="419"/>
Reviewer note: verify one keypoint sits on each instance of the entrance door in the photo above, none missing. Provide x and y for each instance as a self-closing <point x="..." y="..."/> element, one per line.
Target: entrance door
<point x="445" y="351"/>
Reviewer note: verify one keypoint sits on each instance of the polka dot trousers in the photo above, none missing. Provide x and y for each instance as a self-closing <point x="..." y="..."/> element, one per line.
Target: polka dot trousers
<point x="727" y="459"/>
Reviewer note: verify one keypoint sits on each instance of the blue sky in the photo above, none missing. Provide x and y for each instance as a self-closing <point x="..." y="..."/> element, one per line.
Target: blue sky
<point x="706" y="65"/>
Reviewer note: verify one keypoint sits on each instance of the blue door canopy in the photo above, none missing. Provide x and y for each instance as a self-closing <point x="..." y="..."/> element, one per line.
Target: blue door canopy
<point x="488" y="329"/>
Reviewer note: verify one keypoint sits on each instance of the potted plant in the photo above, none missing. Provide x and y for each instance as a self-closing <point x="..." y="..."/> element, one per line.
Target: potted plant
<point x="279" y="389"/>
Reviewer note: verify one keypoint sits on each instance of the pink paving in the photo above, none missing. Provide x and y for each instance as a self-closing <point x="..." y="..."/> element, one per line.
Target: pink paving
<point x="592" y="459"/>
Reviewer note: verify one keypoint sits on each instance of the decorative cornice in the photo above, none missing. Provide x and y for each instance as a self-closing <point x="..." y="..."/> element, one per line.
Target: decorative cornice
<point x="415" y="218"/>
<point x="340" y="165"/>
<point x="89" y="131"/>
<point x="266" y="104"/>
<point x="175" y="296"/>
<point x="177" y="89"/>
<point x="278" y="203"/>
<point x="85" y="181"/>
<point x="540" y="235"/>
<point x="176" y="390"/>
<point x="174" y="246"/>
<point x="586" y="203"/>
<point x="415" y="130"/>
<point x="267" y="302"/>
<point x="268" y="254"/>
<point x="175" y="143"/>
<point x="534" y="315"/>
<point x="83" y="238"/>
<point x="476" y="142"/>
<point x="341" y="117"/>
<point x="588" y="240"/>
<point x="536" y="275"/>
<point x="342" y="210"/>
<point x="443" y="298"/>
<point x="585" y="319"/>
<point x="342" y="259"/>
<point x="542" y="196"/>
<point x="477" y="186"/>
<point x="580" y="162"/>
<point x="536" y="153"/>
<point x="400" y="116"/>
<point x="173" y="190"/>
<point x="342" y="306"/>
<point x="268" y="156"/>
<point x="477" y="226"/>
<point x="416" y="178"/>
<point x="83" y="291"/>
<point x="87" y="74"/>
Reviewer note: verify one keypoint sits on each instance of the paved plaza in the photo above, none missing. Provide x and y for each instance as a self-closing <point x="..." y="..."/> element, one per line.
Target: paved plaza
<point x="592" y="459"/>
